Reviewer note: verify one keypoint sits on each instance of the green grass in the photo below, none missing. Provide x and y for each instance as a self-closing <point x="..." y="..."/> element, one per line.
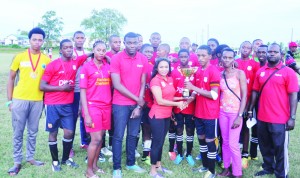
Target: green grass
<point x="43" y="154"/>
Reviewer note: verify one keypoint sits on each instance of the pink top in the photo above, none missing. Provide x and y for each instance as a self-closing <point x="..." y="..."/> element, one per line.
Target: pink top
<point x="97" y="83"/>
<point x="130" y="70"/>
<point x="229" y="102"/>
<point x="57" y="73"/>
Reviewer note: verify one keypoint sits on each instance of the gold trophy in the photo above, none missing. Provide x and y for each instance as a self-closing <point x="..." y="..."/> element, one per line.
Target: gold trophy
<point x="187" y="72"/>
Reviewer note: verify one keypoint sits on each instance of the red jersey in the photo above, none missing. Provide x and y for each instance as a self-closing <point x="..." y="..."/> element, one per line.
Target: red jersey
<point x="148" y="95"/>
<point x="168" y="93"/>
<point x="193" y="60"/>
<point x="207" y="79"/>
<point x="130" y="70"/>
<point x="178" y="82"/>
<point x="274" y="106"/>
<point x="59" y="72"/>
<point x="250" y="68"/>
<point x="110" y="54"/>
<point x="97" y="83"/>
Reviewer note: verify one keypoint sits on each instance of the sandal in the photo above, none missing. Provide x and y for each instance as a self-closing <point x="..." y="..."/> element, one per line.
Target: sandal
<point x="13" y="171"/>
<point x="36" y="163"/>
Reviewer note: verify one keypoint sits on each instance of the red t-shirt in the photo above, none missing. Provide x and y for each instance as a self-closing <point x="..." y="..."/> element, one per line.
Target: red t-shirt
<point x="168" y="93"/>
<point x="274" y="106"/>
<point x="97" y="83"/>
<point x="178" y="82"/>
<point x="250" y="68"/>
<point x="207" y="79"/>
<point x="59" y="72"/>
<point x="130" y="70"/>
<point x="193" y="59"/>
<point x="110" y="54"/>
<point x="152" y="60"/>
<point x="148" y="95"/>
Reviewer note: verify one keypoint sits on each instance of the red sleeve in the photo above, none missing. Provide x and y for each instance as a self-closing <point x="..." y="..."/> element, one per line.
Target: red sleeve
<point x="155" y="82"/>
<point x="84" y="76"/>
<point x="47" y="76"/>
<point x="215" y="77"/>
<point x="145" y="64"/>
<point x="115" y="65"/>
<point x="80" y="60"/>
<point x="292" y="81"/>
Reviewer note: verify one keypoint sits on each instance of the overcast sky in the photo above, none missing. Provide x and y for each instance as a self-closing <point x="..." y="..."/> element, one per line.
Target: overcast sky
<point x="229" y="21"/>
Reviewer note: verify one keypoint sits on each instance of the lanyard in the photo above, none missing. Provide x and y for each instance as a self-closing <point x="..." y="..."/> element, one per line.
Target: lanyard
<point x="37" y="62"/>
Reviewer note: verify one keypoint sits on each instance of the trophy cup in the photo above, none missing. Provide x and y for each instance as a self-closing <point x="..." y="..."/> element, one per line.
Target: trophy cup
<point x="187" y="72"/>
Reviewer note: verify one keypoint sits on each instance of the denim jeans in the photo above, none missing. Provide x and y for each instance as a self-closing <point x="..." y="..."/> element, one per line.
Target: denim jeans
<point x="121" y="116"/>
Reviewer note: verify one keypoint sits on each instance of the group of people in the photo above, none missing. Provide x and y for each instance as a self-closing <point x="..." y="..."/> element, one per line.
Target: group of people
<point x="146" y="88"/>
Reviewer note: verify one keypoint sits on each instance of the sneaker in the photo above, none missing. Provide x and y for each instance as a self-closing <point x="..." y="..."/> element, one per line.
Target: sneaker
<point x="70" y="163"/>
<point x="136" y="169"/>
<point x="199" y="157"/>
<point x="72" y="153"/>
<point x="245" y="163"/>
<point x="84" y="146"/>
<point x="56" y="166"/>
<point x="137" y="154"/>
<point x="110" y="159"/>
<point x="117" y="173"/>
<point x="218" y="158"/>
<point x="106" y="151"/>
<point x="178" y="159"/>
<point x="262" y="173"/>
<point x="172" y="156"/>
<point x="200" y="169"/>
<point x="101" y="158"/>
<point x="208" y="174"/>
<point x="146" y="160"/>
<point x="190" y="160"/>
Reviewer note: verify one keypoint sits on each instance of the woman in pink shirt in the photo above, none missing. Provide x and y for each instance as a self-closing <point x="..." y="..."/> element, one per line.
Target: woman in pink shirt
<point x="96" y="98"/>
<point x="233" y="87"/>
<point x="160" y="113"/>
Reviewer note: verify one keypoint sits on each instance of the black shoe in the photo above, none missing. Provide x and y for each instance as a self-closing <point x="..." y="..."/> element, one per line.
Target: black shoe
<point x="262" y="173"/>
<point x="56" y="166"/>
<point x="70" y="163"/>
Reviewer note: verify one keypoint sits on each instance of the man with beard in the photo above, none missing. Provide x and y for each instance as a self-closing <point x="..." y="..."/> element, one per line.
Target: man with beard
<point x="213" y="44"/>
<point x="275" y="87"/>
<point x="250" y="67"/>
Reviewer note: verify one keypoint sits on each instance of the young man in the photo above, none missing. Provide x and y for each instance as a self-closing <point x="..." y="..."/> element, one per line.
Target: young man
<point x="255" y="44"/>
<point x="128" y="73"/>
<point x="115" y="45"/>
<point x="155" y="40"/>
<point x="261" y="54"/>
<point x="206" y="91"/>
<point x="58" y="85"/>
<point x="79" y="40"/>
<point x="25" y="100"/>
<point x="140" y="40"/>
<point x="250" y="68"/>
<point x="213" y="44"/>
<point x="194" y="48"/>
<point x="276" y="112"/>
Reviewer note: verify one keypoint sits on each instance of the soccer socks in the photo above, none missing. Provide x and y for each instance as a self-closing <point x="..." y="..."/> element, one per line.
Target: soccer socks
<point x="53" y="150"/>
<point x="211" y="155"/>
<point x="172" y="141"/>
<point x="253" y="147"/>
<point x="203" y="152"/>
<point x="189" y="145"/>
<point x="67" y="145"/>
<point x="179" y="141"/>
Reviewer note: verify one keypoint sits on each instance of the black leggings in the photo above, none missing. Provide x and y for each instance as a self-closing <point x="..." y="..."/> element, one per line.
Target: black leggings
<point x="159" y="128"/>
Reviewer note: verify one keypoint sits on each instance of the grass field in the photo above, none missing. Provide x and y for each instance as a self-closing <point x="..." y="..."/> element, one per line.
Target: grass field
<point x="43" y="154"/>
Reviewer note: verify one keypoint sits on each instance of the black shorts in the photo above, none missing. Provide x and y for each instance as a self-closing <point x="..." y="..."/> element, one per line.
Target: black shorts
<point x="207" y="127"/>
<point x="186" y="119"/>
<point x="59" y="115"/>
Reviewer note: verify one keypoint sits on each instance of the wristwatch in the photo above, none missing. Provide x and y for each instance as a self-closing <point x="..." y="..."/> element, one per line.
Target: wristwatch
<point x="293" y="117"/>
<point x="240" y="115"/>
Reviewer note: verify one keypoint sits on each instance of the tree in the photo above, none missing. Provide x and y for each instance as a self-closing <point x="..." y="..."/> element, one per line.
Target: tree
<point x="53" y="26"/>
<point x="104" y="23"/>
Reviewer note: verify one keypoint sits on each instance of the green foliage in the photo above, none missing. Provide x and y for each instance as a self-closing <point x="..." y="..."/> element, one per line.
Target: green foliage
<point x="53" y="26"/>
<point x="15" y="46"/>
<point x="104" y="23"/>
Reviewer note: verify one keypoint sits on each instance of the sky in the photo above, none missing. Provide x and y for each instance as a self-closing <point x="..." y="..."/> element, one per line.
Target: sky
<point x="229" y="21"/>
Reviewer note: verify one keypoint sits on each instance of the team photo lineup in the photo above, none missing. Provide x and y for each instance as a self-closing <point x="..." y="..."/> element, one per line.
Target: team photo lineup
<point x="233" y="104"/>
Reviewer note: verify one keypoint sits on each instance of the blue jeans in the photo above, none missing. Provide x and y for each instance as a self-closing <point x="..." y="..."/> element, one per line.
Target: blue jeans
<point x="121" y="116"/>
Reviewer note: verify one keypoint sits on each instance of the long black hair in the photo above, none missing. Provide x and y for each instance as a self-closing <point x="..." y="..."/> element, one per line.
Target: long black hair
<point x="155" y="68"/>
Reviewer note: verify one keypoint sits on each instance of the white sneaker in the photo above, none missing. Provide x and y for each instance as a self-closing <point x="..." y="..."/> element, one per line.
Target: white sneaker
<point x="110" y="160"/>
<point x="137" y="154"/>
<point x="106" y="151"/>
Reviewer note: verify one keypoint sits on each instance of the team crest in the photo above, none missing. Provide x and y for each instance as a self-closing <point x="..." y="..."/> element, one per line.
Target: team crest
<point x="49" y="125"/>
<point x="262" y="74"/>
<point x="205" y="79"/>
<point x="74" y="67"/>
<point x="163" y="84"/>
<point x="249" y="68"/>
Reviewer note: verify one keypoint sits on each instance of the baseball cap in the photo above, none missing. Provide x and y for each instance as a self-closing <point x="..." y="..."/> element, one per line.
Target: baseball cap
<point x="293" y="44"/>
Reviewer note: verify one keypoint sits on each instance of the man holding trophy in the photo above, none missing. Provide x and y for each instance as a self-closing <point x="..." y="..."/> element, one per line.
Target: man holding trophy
<point x="206" y="90"/>
<point x="184" y="72"/>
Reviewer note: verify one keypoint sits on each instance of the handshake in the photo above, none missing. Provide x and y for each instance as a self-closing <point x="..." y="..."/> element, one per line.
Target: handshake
<point x="182" y="105"/>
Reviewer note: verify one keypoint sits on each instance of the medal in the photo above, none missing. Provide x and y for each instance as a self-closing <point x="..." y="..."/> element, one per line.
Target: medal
<point x="33" y="74"/>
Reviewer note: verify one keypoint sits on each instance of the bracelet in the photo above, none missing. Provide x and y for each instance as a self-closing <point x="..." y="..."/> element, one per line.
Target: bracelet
<point x="8" y="103"/>
<point x="250" y="112"/>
